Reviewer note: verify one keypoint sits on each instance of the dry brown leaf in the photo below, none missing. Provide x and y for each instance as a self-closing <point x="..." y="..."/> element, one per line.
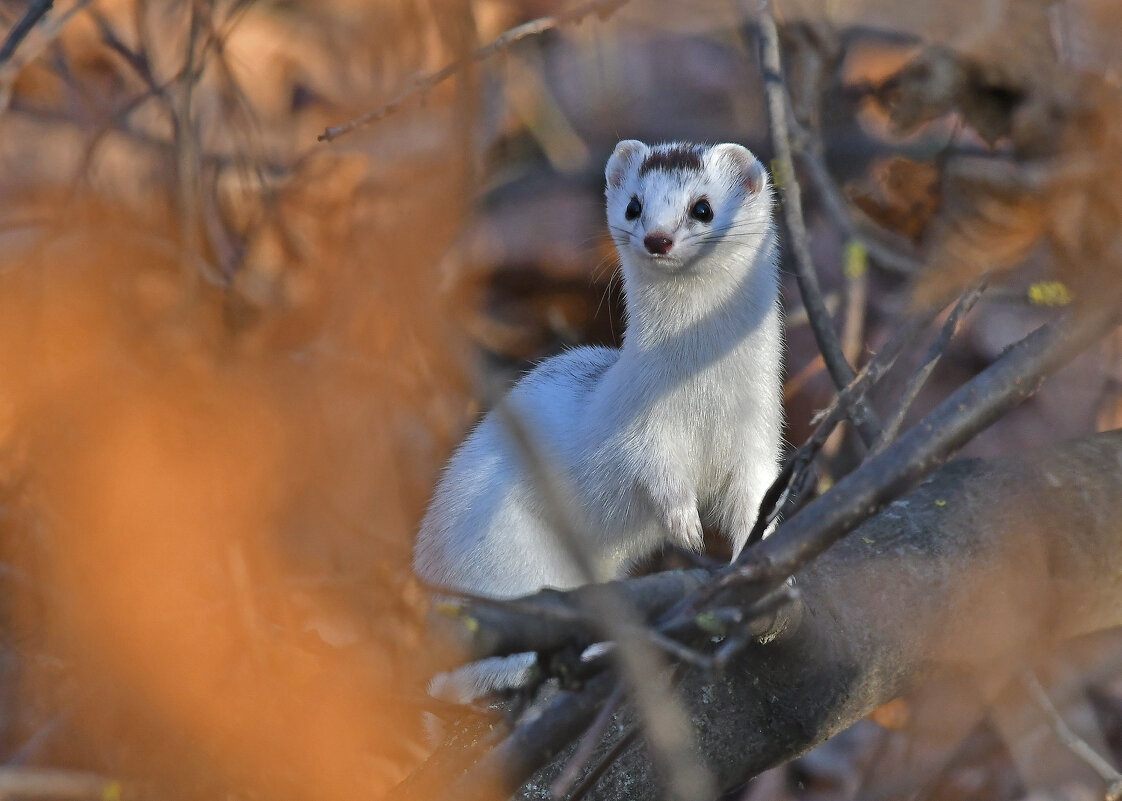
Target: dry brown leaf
<point x="901" y="195"/>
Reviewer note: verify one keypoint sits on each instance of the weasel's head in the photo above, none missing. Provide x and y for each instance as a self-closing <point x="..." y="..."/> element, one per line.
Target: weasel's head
<point x="672" y="207"/>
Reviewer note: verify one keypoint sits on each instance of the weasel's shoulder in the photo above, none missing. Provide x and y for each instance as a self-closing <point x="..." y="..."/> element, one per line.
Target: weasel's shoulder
<point x="576" y="367"/>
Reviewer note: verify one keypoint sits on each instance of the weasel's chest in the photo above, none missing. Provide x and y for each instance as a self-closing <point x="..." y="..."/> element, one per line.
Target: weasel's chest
<point x="692" y="424"/>
<point x="691" y="435"/>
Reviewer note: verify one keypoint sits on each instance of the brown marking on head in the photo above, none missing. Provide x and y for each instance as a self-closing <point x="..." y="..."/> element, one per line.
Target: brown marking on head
<point x="673" y="157"/>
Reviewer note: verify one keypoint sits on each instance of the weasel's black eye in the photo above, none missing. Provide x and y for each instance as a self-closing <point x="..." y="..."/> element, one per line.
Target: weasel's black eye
<point x="634" y="208"/>
<point x="702" y="211"/>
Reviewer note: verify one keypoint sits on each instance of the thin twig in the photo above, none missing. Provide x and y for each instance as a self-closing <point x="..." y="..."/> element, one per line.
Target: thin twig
<point x="856" y="302"/>
<point x="1015" y="375"/>
<point x="674" y="648"/>
<point x="210" y="159"/>
<point x="587" y="745"/>
<point x="10" y="67"/>
<point x="838" y="366"/>
<point x="1012" y="377"/>
<point x="810" y="152"/>
<point x="517" y="606"/>
<point x="186" y="140"/>
<point x="508" y="764"/>
<point x="1074" y="743"/>
<point x="665" y="721"/>
<point x="499" y="631"/>
<point x="35" y="12"/>
<point x="788" y="485"/>
<point x="605" y="761"/>
<point x="930" y="361"/>
<point x="775" y="614"/>
<point x="425" y="83"/>
<point x="137" y="60"/>
<point x="28" y="752"/>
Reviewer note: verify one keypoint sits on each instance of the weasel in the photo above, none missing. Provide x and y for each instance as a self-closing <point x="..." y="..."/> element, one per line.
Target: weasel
<point x="679" y="428"/>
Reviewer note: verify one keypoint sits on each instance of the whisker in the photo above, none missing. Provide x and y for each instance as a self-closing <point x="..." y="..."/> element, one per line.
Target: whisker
<point x="606" y="262"/>
<point x="606" y="296"/>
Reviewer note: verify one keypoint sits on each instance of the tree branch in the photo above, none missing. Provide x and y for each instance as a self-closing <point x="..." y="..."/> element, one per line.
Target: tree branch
<point x="426" y="83"/>
<point x="35" y="12"/>
<point x="1011" y="378"/>
<point x="1014" y="376"/>
<point x="782" y="495"/>
<point x="665" y="723"/>
<point x="838" y="366"/>
<point x="1074" y="743"/>
<point x="965" y="575"/>
<point x="927" y="366"/>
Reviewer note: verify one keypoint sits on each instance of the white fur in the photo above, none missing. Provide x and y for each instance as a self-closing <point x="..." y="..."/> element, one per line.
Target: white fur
<point x="681" y="425"/>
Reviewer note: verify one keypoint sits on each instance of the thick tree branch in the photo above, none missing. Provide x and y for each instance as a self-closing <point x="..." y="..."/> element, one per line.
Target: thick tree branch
<point x="551" y="619"/>
<point x="977" y="571"/>
<point x="1014" y="376"/>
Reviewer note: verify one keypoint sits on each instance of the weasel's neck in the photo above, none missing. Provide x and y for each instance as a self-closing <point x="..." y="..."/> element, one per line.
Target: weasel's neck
<point x="685" y="322"/>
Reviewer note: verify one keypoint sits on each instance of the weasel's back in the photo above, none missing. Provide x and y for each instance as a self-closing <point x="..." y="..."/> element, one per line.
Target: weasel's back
<point x="485" y="528"/>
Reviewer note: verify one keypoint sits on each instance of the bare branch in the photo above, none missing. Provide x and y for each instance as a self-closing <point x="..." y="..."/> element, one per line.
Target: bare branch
<point x="1015" y="375"/>
<point x="890" y="257"/>
<point x="863" y="640"/>
<point x="426" y="83"/>
<point x="35" y="12"/>
<point x="1071" y="740"/>
<point x="929" y="589"/>
<point x="606" y="760"/>
<point x="1011" y="378"/>
<point x="838" y="366"/>
<point x="790" y="483"/>
<point x="510" y="762"/>
<point x="10" y="66"/>
<point x="667" y="727"/>
<point x="586" y="748"/>
<point x="538" y="622"/>
<point x="927" y="366"/>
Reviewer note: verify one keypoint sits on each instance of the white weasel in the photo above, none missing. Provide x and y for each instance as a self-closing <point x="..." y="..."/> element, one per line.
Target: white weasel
<point x="680" y="426"/>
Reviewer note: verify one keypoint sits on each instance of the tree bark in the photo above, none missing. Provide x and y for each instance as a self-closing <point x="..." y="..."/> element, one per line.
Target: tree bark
<point x="979" y="570"/>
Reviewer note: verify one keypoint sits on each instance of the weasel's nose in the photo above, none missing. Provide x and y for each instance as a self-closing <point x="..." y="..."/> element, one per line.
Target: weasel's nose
<point x="658" y="243"/>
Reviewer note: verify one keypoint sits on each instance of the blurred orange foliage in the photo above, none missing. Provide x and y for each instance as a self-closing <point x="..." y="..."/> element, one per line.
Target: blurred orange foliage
<point x="228" y="387"/>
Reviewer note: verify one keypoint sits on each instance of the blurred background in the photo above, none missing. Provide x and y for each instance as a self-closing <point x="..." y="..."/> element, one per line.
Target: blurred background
<point x="234" y="357"/>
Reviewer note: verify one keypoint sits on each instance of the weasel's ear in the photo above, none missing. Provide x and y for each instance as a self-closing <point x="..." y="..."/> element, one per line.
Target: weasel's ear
<point x="739" y="161"/>
<point x="621" y="159"/>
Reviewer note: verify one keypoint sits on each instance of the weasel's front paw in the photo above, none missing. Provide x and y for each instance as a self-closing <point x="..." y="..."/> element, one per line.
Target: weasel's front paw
<point x="685" y="528"/>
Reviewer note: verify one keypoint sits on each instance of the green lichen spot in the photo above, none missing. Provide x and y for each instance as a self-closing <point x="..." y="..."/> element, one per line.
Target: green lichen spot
<point x="711" y="624"/>
<point x="1049" y="293"/>
<point x="856" y="259"/>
